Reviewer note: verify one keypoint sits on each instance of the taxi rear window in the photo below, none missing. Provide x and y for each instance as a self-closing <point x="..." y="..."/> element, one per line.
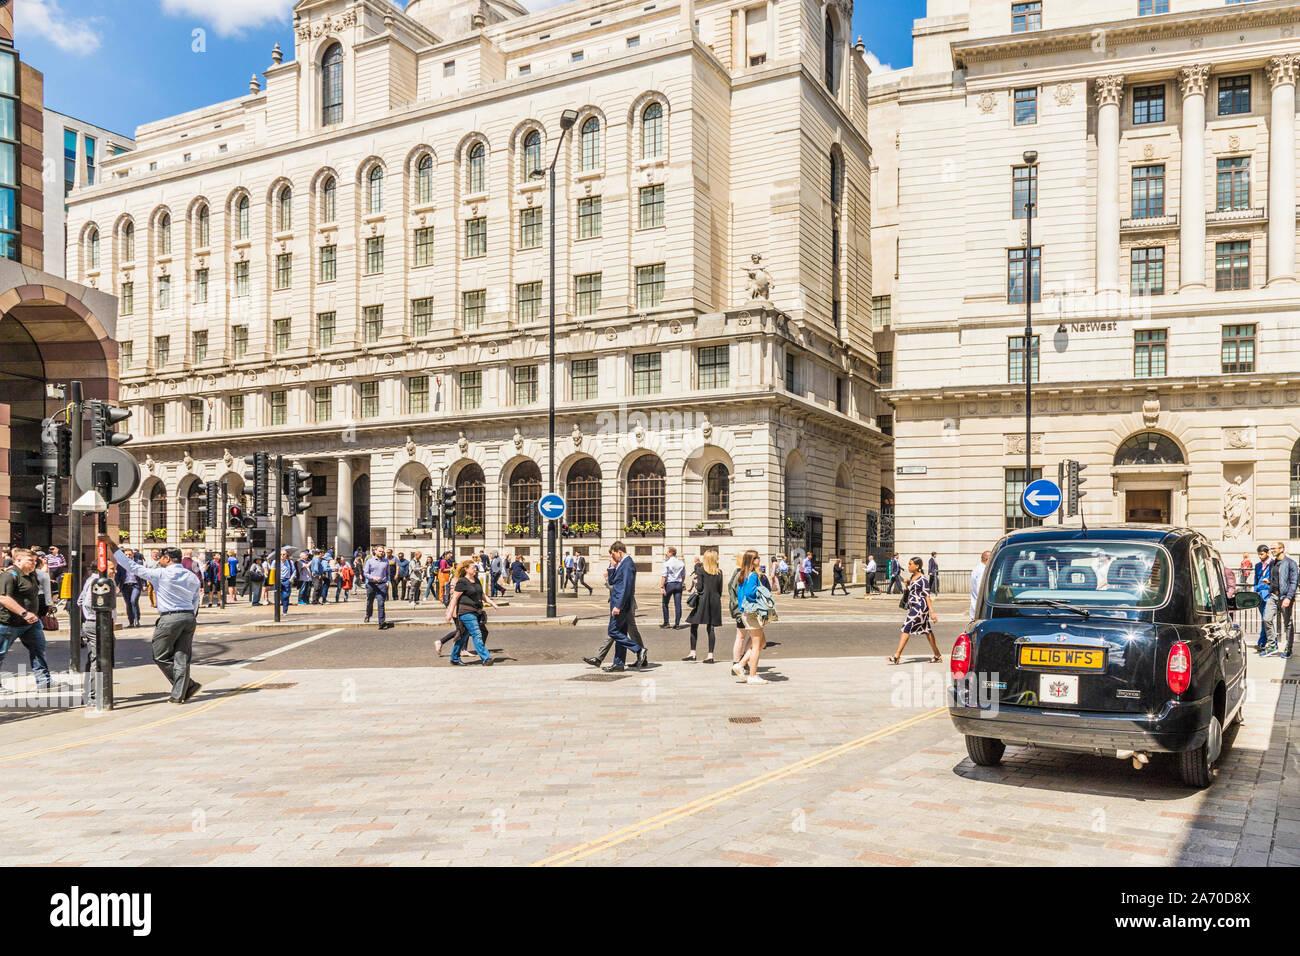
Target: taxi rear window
<point x="1119" y="574"/>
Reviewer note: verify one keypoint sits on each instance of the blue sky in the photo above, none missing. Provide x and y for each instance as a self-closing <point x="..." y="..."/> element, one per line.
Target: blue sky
<point x="120" y="63"/>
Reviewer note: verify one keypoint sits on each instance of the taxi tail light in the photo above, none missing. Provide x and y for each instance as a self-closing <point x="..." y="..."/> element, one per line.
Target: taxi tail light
<point x="1178" y="672"/>
<point x="959" y="660"/>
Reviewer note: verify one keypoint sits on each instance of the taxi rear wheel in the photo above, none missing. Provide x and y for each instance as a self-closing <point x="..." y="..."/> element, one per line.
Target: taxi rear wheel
<point x="1196" y="766"/>
<point x="985" y="751"/>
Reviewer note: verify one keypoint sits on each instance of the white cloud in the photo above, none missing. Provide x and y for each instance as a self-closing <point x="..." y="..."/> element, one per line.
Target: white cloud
<point x="873" y="62"/>
<point x="231" y="17"/>
<point x="44" y="18"/>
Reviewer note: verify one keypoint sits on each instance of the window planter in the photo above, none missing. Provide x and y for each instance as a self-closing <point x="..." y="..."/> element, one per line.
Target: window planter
<point x="709" y="533"/>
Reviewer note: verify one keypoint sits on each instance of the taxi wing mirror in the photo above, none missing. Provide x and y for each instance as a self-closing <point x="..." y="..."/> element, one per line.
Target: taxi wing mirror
<point x="1246" y="600"/>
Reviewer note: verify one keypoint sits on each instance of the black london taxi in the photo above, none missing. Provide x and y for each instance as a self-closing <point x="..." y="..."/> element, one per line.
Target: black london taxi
<point x="1116" y="641"/>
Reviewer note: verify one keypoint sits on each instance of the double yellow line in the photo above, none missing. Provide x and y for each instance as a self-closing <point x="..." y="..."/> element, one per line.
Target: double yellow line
<point x="712" y="800"/>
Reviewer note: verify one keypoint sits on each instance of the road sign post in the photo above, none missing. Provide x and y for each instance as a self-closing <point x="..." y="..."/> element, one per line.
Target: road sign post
<point x="1041" y="498"/>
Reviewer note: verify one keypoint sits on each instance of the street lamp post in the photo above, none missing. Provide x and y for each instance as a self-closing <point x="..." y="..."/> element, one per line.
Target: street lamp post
<point x="1031" y="187"/>
<point x="567" y="119"/>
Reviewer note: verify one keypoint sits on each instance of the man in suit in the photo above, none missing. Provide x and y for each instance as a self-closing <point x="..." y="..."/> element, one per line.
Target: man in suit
<point x="622" y="590"/>
<point x="1286" y="575"/>
<point x="580" y="574"/>
<point x="934" y="572"/>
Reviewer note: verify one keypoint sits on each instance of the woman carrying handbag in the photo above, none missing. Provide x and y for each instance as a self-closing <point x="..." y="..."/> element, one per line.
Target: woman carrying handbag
<point x="920" y="612"/>
<point x="706" y="602"/>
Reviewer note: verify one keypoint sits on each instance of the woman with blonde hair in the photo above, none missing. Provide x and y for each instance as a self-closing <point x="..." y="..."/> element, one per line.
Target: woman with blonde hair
<point x="706" y="602"/>
<point x="755" y="605"/>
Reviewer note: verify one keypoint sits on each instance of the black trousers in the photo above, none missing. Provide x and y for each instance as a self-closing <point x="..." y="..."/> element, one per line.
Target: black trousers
<point x="173" y="646"/>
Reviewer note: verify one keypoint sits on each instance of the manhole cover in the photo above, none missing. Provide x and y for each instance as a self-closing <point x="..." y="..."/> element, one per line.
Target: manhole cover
<point x="744" y="720"/>
<point x="282" y="686"/>
<point x="1286" y="680"/>
<point x="601" y="678"/>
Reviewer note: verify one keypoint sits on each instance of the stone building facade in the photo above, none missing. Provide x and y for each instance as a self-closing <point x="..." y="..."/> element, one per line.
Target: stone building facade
<point x="1166" y="349"/>
<point x="349" y="267"/>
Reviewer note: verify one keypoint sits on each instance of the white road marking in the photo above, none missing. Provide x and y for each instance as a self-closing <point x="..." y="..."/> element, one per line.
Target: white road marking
<point x="287" y="647"/>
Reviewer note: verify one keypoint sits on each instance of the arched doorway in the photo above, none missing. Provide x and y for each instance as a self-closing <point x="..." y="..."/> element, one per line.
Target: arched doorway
<point x="22" y="388"/>
<point x="1150" y="472"/>
<point x="361" y="512"/>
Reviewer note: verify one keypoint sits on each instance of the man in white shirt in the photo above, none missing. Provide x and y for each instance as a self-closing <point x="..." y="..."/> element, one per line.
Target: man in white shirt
<point x="871" y="575"/>
<point x="977" y="579"/>
<point x="671" y="583"/>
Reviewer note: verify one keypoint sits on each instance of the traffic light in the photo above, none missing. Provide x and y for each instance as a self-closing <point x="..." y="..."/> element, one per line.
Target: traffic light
<point x="103" y="420"/>
<point x="564" y="531"/>
<point x="260" y="477"/>
<point x="1074" y="483"/>
<point x="211" y="510"/>
<point x="50" y="488"/>
<point x="297" y="484"/>
<point x="235" y="518"/>
<point x="449" y="502"/>
<point x="534" y="520"/>
<point x="56" y="448"/>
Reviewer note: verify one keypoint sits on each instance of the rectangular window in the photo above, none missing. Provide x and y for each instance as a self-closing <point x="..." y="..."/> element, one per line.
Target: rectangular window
<point x="162" y="347"/>
<point x="583" y="379"/>
<point x="196" y="414"/>
<point x="1026" y="17"/>
<point x="1024" y="191"/>
<point x="839" y="394"/>
<point x="587" y="293"/>
<point x="424" y="246"/>
<point x="324" y="403"/>
<point x="646" y="373"/>
<point x="651" y="206"/>
<point x="1148" y="8"/>
<point x="1016" y="276"/>
<point x="369" y="399"/>
<point x="1231" y="266"/>
<point x="475" y="238"/>
<point x="525" y="384"/>
<point x="239" y="340"/>
<point x="1148" y="104"/>
<point x="236" y="411"/>
<point x="128" y="298"/>
<point x="528" y="297"/>
<point x="589" y="217"/>
<point x="283" y="270"/>
<point x="1147" y="275"/>
<point x="1016" y="359"/>
<point x="329" y="267"/>
<point x="421" y="317"/>
<point x="575" y="56"/>
<point x="1238" y="349"/>
<point x="1026" y="106"/>
<point x="417" y="394"/>
<point x="713" y="366"/>
<point x="881" y="306"/>
<point x="1014" y="485"/>
<point x="471" y="390"/>
<point x="1148" y="191"/>
<point x="373" y="323"/>
<point x="282" y="333"/>
<point x="324" y="330"/>
<point x="1232" y="184"/>
<point x="449" y="68"/>
<point x="200" y="286"/>
<point x="241" y="279"/>
<point x="164" y="292"/>
<point x="69" y="153"/>
<point x="473" y="308"/>
<point x="530" y="227"/>
<point x="1234" y="95"/>
<point x="649" y="286"/>
<point x="374" y="255"/>
<point x="200" y="347"/>
<point x="279" y="408"/>
<point x="886" y="359"/>
<point x="789" y="372"/>
<point x="126" y="352"/>
<point x="159" y="417"/>
<point x="1149" y="355"/>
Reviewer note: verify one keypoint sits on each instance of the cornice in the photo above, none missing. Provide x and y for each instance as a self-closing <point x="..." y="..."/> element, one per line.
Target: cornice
<point x="1081" y="387"/>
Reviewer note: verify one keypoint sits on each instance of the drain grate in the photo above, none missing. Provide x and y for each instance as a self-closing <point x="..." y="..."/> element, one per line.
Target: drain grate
<point x="280" y="686"/>
<point x="1285" y="680"/>
<point x="601" y="678"/>
<point x="744" y="720"/>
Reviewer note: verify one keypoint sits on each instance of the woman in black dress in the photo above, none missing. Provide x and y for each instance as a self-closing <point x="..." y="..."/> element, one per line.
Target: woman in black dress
<point x="708" y="604"/>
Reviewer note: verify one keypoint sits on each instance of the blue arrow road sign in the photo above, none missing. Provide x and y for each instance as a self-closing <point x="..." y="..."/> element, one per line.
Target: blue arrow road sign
<point x="1041" y="498"/>
<point x="552" y="506"/>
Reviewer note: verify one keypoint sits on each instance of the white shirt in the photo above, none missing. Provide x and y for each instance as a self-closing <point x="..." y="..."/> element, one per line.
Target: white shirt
<point x="976" y="579"/>
<point x="674" y="570"/>
<point x="871" y="565"/>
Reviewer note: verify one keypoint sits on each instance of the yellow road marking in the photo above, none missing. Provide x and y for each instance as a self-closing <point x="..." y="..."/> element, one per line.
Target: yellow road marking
<point x="704" y="803"/>
<point x="181" y="715"/>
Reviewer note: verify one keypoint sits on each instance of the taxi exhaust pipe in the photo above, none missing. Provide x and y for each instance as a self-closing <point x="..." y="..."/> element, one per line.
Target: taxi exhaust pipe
<point x="1139" y="758"/>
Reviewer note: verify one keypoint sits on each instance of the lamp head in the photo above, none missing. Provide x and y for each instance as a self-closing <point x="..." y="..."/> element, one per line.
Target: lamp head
<point x="537" y="174"/>
<point x="1031" y="156"/>
<point x="568" y="118"/>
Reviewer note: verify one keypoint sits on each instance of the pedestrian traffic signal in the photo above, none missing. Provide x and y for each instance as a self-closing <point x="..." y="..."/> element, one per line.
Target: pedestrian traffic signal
<point x="449" y="502"/>
<point x="103" y="423"/>
<point x="210" y="510"/>
<point x="50" y="488"/>
<point x="56" y="448"/>
<point x="534" y="520"/>
<point x="298" y="486"/>
<point x="260" y="478"/>
<point x="235" y="519"/>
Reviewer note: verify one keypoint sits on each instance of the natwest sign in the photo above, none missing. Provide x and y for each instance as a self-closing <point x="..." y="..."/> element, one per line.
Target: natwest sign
<point x="1111" y="326"/>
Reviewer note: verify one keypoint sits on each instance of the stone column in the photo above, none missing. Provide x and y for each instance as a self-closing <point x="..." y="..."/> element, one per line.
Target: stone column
<point x="343" y="544"/>
<point x="1193" y="81"/>
<point x="1110" y="92"/>
<point x="1281" y="169"/>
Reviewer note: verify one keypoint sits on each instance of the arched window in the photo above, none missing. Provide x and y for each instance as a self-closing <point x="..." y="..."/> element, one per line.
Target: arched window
<point x="582" y="488"/>
<point x="329" y="202"/>
<point x="284" y="209"/>
<point x="241" y="217"/>
<point x="532" y="154"/>
<point x="331" y="85"/>
<point x="831" y="57"/>
<point x="645" y="494"/>
<point x="477" y="172"/>
<point x="424" y="180"/>
<point x="196" y="507"/>
<point x="718" y="483"/>
<point x="837" y="183"/>
<point x="1149" y="448"/>
<point x="92" y="249"/>
<point x="525" y="488"/>
<point x="470" y="511"/>
<point x="590" y="143"/>
<point x="652" y="131"/>
<point x="375" y="190"/>
<point x="128" y="242"/>
<point x="1295" y="491"/>
<point x="157" y="507"/>
<point x="165" y="234"/>
<point x="202" y="227"/>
